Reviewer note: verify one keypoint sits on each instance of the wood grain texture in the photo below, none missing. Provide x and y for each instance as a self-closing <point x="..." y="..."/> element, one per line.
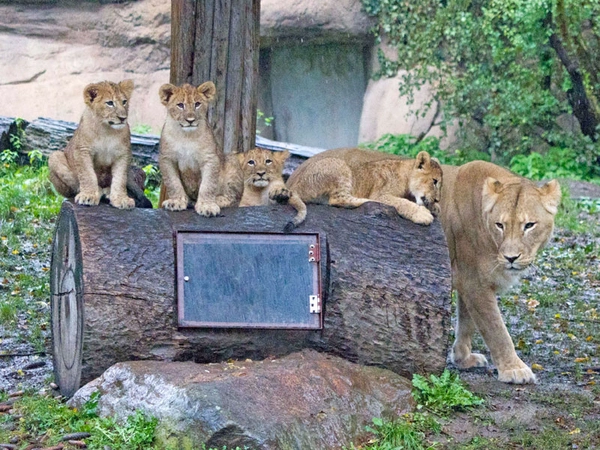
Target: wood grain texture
<point x="386" y="288"/>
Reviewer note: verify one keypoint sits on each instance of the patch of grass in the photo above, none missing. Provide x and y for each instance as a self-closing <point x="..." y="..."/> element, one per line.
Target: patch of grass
<point x="141" y="129"/>
<point x="47" y="419"/>
<point x="444" y="394"/>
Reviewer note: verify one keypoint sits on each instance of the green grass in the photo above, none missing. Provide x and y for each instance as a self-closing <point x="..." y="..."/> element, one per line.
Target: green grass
<point x="444" y="394"/>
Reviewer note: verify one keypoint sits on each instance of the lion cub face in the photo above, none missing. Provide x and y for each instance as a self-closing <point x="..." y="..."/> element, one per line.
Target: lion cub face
<point x="426" y="181"/>
<point x="520" y="218"/>
<point x="187" y="105"/>
<point x="260" y="166"/>
<point x="109" y="101"/>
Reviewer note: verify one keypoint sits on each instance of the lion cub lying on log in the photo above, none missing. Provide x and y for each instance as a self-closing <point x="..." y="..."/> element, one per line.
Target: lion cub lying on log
<point x="97" y="159"/>
<point x="263" y="183"/>
<point x="193" y="167"/>
<point x="349" y="177"/>
<point x="495" y="222"/>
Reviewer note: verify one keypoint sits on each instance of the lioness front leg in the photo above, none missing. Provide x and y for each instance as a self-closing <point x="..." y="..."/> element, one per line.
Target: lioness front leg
<point x="461" y="354"/>
<point x="118" y="186"/>
<point x="176" y="198"/>
<point x="206" y="205"/>
<point x="483" y="308"/>
<point x="89" y="191"/>
<point x="407" y="209"/>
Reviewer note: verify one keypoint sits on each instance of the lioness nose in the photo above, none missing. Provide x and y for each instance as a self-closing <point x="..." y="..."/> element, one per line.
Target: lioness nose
<point x="260" y="174"/>
<point x="511" y="259"/>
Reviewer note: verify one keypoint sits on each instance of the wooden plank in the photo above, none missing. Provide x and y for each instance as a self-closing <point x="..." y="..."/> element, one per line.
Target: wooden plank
<point x="250" y="74"/>
<point x="183" y="30"/>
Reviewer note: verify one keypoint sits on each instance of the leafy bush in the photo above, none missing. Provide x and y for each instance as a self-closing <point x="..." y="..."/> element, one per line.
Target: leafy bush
<point x="556" y="163"/>
<point x="443" y="394"/>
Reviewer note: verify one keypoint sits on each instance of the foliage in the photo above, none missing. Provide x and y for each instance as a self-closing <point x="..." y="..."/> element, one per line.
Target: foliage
<point x="492" y="64"/>
<point x="152" y="184"/>
<point x="50" y="417"/>
<point x="266" y="121"/>
<point x="443" y="394"/>
<point x="556" y="163"/>
<point x="141" y="129"/>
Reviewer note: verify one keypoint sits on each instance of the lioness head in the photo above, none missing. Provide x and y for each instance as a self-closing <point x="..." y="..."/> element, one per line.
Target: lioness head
<point x="187" y="105"/>
<point x="261" y="166"/>
<point x="109" y="101"/>
<point x="520" y="219"/>
<point x="425" y="182"/>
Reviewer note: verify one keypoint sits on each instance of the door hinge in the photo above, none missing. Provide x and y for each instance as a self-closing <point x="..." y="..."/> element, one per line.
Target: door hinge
<point x="314" y="253"/>
<point x="315" y="304"/>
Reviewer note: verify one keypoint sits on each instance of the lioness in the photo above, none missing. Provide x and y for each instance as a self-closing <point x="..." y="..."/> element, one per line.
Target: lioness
<point x="263" y="182"/>
<point x="494" y="222"/>
<point x="349" y="177"/>
<point x="193" y="167"/>
<point x="97" y="159"/>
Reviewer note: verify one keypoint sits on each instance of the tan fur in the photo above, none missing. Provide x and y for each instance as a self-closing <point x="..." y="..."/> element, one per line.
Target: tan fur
<point x="491" y="216"/>
<point x="96" y="160"/>
<point x="263" y="182"/>
<point x="349" y="177"/>
<point x="193" y="167"/>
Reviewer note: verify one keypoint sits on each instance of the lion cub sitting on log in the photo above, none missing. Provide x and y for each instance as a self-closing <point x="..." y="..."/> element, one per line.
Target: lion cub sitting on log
<point x="263" y="183"/>
<point x="193" y="167"/>
<point x="349" y="177"/>
<point x="97" y="159"/>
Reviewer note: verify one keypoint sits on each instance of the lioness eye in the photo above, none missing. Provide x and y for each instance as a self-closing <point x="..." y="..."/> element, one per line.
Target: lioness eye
<point x="197" y="105"/>
<point x="500" y="226"/>
<point x="251" y="162"/>
<point x="529" y="225"/>
<point x="180" y="105"/>
<point x="435" y="182"/>
<point x="110" y="103"/>
<point x="268" y="162"/>
<point x="124" y="102"/>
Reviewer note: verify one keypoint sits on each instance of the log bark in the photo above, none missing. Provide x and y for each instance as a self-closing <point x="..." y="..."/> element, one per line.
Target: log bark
<point x="385" y="286"/>
<point x="218" y="40"/>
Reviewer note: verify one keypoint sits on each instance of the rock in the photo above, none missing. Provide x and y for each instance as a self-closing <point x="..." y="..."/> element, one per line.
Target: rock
<point x="306" y="400"/>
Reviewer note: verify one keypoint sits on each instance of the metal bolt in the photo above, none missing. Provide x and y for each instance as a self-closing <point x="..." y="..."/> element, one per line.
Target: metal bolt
<point x="186" y="278"/>
<point x="311" y="259"/>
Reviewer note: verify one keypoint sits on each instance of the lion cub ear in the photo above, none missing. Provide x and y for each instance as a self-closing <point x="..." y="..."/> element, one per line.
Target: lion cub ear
<point x="165" y="92"/>
<point x="241" y="156"/>
<point x="551" y="194"/>
<point x="280" y="157"/>
<point x="423" y="160"/>
<point x="127" y="87"/>
<point x="208" y="89"/>
<point x="491" y="191"/>
<point x="90" y="93"/>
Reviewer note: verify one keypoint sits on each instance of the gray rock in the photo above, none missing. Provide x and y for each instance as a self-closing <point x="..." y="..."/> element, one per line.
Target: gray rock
<point x="305" y="400"/>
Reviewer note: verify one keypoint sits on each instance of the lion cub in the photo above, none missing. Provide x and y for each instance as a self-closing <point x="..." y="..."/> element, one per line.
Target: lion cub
<point x="97" y="159"/>
<point x="349" y="177"/>
<point x="263" y="182"/>
<point x="193" y="167"/>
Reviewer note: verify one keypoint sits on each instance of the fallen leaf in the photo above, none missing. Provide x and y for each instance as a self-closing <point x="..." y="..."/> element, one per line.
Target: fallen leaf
<point x="582" y="360"/>
<point x="575" y="431"/>
<point x="537" y="367"/>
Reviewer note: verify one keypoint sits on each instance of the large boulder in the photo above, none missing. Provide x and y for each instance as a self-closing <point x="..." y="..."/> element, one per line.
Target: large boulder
<point x="306" y="400"/>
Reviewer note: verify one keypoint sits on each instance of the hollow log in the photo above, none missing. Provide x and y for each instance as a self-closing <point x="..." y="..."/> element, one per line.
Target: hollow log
<point x="385" y="290"/>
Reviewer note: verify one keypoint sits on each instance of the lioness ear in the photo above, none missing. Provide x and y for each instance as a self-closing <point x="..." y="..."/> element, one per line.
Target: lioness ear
<point x="90" y="93"/>
<point x="165" y="92"/>
<point x="208" y="89"/>
<point x="127" y="87"/>
<point x="550" y="196"/>
<point x="281" y="156"/>
<point x="423" y="160"/>
<point x="489" y="196"/>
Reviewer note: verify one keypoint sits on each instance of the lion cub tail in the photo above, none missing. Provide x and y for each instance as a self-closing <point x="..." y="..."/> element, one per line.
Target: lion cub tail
<point x="300" y="208"/>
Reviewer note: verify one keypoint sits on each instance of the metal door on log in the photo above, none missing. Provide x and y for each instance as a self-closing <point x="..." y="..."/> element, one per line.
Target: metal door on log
<point x="248" y="280"/>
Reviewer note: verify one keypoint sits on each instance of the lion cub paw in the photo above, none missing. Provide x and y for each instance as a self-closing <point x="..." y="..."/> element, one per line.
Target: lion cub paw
<point x="90" y="199"/>
<point x="523" y="375"/>
<point x="175" y="204"/>
<point x="207" y="209"/>
<point x="280" y="195"/>
<point x="224" y="201"/>
<point x="422" y="216"/>
<point x="122" y="202"/>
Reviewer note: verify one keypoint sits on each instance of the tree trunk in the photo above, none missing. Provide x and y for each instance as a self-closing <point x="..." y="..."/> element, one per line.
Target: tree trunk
<point x="218" y="41"/>
<point x="385" y="290"/>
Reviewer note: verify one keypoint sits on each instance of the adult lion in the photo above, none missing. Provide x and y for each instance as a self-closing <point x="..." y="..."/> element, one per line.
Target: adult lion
<point x="495" y="222"/>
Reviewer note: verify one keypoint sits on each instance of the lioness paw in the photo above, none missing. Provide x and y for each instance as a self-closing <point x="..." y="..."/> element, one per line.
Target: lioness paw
<point x="175" y="204"/>
<point x="523" y="375"/>
<point x="85" y="198"/>
<point x="471" y="360"/>
<point x="422" y="216"/>
<point x="207" y="209"/>
<point x="281" y="195"/>
<point x="122" y="202"/>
